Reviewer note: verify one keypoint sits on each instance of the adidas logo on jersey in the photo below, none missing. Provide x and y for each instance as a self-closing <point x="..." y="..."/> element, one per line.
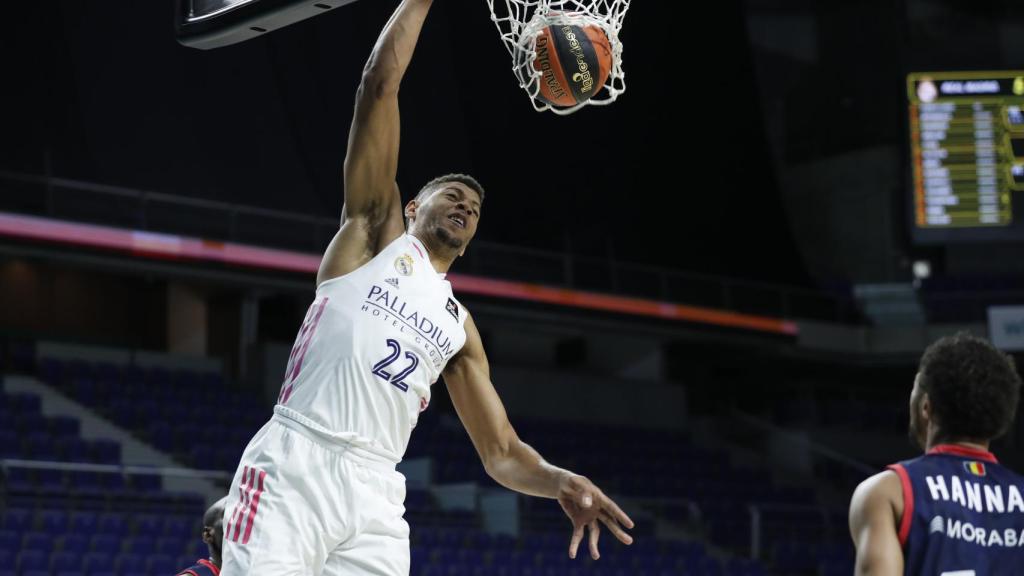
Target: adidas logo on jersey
<point x="392" y="281"/>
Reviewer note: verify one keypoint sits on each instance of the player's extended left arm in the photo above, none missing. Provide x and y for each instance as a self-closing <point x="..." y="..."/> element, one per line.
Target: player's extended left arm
<point x="514" y="464"/>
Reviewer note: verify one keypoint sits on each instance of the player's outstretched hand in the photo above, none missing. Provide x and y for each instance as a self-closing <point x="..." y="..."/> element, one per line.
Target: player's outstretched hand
<point x="588" y="507"/>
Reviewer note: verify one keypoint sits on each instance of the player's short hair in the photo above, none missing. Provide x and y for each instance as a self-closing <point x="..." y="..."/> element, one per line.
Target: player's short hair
<point x="973" y="387"/>
<point x="460" y="178"/>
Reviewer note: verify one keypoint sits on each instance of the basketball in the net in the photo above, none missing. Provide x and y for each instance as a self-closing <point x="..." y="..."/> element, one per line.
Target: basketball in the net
<point x="574" y="62"/>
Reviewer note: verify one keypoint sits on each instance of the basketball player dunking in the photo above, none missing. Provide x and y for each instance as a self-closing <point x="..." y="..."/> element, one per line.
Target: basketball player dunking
<point x="954" y="511"/>
<point x="316" y="491"/>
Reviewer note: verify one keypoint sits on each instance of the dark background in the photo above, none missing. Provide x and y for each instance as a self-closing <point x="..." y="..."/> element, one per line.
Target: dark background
<point x="761" y="139"/>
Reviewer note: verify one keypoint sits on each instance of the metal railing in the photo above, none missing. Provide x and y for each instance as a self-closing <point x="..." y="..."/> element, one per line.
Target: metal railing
<point x="68" y="199"/>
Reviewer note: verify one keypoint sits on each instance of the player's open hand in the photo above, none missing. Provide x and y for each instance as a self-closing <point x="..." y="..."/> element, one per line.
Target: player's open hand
<point x="588" y="507"/>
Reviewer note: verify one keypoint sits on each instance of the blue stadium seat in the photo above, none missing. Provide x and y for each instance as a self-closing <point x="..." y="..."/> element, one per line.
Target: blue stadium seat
<point x="146" y="482"/>
<point x="181" y="528"/>
<point x="72" y="449"/>
<point x="23" y="403"/>
<point x="32" y="560"/>
<point x="149" y="526"/>
<point x="184" y="561"/>
<point x="160" y="564"/>
<point x="50" y="480"/>
<point x="172" y="546"/>
<point x="17" y="519"/>
<point x="85" y="482"/>
<point x="10" y="542"/>
<point x="106" y="451"/>
<point x="141" y="545"/>
<point x="53" y="521"/>
<point x="39" y="445"/>
<point x="114" y="483"/>
<point x="65" y="562"/>
<point x="37" y="541"/>
<point x="77" y="542"/>
<point x="98" y="563"/>
<point x="35" y="573"/>
<point x="84" y="522"/>
<point x="111" y="523"/>
<point x="129" y="563"/>
<point x="9" y="441"/>
<point x="106" y="544"/>
<point x="64" y="426"/>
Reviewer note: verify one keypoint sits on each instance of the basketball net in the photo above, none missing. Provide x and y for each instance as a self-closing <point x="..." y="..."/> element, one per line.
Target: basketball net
<point x="521" y="21"/>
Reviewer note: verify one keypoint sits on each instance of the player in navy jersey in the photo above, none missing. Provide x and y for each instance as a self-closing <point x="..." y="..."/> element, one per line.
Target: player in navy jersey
<point x="955" y="511"/>
<point x="213" y="535"/>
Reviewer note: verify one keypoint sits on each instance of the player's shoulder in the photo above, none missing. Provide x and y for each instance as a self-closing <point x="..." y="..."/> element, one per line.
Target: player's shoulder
<point x="884" y="487"/>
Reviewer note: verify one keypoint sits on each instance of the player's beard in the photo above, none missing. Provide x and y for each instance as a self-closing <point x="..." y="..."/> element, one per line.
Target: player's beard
<point x="447" y="238"/>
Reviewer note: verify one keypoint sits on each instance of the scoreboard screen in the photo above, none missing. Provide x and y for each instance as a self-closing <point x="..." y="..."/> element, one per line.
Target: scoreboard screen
<point x="967" y="156"/>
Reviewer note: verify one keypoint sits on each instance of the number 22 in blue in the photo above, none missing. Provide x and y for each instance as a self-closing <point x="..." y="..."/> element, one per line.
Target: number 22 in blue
<point x="397" y="379"/>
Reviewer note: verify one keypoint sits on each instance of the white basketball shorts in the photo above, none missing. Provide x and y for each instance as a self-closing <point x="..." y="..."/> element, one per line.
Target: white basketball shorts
<point x="300" y="506"/>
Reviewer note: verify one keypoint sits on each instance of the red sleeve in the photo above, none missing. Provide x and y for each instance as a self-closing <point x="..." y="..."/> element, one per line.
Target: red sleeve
<point x="908" y="502"/>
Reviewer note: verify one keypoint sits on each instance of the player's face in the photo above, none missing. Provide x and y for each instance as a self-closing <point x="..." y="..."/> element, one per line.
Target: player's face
<point x="918" y="421"/>
<point x="451" y="213"/>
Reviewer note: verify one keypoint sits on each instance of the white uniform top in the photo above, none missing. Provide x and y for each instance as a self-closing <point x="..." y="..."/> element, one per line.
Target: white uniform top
<point x="372" y="344"/>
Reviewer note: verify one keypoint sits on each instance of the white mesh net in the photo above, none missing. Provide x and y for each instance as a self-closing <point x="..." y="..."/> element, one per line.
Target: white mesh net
<point x="520" y="21"/>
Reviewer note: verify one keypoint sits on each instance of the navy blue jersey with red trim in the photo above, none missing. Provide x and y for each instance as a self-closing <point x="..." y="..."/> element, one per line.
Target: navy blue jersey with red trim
<point x="202" y="568"/>
<point x="963" y="514"/>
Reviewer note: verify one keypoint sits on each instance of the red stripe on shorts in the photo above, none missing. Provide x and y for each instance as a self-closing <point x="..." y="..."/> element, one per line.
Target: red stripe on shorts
<point x="253" y="508"/>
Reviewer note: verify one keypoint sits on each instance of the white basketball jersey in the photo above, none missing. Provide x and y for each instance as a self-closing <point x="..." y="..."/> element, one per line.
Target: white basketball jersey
<point x="372" y="344"/>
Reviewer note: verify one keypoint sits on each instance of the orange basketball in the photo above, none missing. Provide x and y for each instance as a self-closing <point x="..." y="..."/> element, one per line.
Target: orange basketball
<point x="574" y="62"/>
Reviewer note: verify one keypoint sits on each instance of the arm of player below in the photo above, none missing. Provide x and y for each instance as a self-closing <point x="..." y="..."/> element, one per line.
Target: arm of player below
<point x="514" y="464"/>
<point x="875" y="512"/>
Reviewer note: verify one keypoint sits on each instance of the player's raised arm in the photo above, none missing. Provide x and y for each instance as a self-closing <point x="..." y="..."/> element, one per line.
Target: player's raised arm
<point x="372" y="214"/>
<point x="873" y="520"/>
<point x="514" y="464"/>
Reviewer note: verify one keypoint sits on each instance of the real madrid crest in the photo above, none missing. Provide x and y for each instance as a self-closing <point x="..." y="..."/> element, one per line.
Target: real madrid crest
<point x="403" y="264"/>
